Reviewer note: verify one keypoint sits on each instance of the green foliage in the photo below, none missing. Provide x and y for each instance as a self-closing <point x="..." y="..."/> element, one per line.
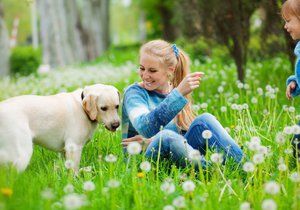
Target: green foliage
<point x="24" y="60"/>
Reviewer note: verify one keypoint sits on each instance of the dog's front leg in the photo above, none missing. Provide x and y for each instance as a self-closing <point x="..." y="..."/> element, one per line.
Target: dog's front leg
<point x="73" y="154"/>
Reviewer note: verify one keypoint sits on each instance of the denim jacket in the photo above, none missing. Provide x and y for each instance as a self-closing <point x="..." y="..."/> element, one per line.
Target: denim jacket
<point x="296" y="76"/>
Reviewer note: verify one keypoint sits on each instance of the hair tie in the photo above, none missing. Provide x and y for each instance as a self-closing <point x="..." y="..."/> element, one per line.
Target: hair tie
<point x="175" y="49"/>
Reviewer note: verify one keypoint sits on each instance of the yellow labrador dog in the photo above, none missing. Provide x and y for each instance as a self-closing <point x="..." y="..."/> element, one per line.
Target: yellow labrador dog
<point x="55" y="122"/>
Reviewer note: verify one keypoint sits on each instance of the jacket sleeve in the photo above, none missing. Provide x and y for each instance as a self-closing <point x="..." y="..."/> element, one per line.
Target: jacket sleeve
<point x="148" y="122"/>
<point x="296" y="77"/>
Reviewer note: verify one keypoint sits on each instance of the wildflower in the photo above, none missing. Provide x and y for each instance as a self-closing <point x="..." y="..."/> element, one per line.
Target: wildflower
<point x="255" y="139"/>
<point x="280" y="138"/>
<point x="203" y="106"/>
<point x="282" y="167"/>
<point x="167" y="187"/>
<point x="169" y="207"/>
<point x="179" y="202"/>
<point x="195" y="155"/>
<point x="86" y="169"/>
<point x="140" y="175"/>
<point x="188" y="186"/>
<point x="248" y="167"/>
<point x="74" y="201"/>
<point x="245" y="106"/>
<point x="6" y="192"/>
<point x="134" y="148"/>
<point x="288" y="130"/>
<point x="258" y="158"/>
<point x="296" y="129"/>
<point x="145" y="166"/>
<point x="47" y="194"/>
<point x="254" y="100"/>
<point x="236" y="96"/>
<point x="240" y="85"/>
<point x="272" y="188"/>
<point x="234" y="106"/>
<point x="69" y="188"/>
<point x="292" y="109"/>
<point x="269" y="204"/>
<point x="89" y="186"/>
<point x="260" y="91"/>
<point x="295" y="177"/>
<point x="69" y="164"/>
<point x="253" y="145"/>
<point x="220" y="89"/>
<point x="206" y="134"/>
<point x="113" y="183"/>
<point x="217" y="158"/>
<point x="263" y="150"/>
<point x="223" y="108"/>
<point x="245" y="206"/>
<point x="110" y="158"/>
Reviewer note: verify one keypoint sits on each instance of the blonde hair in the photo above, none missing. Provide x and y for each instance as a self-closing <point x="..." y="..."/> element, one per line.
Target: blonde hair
<point x="165" y="53"/>
<point x="290" y="8"/>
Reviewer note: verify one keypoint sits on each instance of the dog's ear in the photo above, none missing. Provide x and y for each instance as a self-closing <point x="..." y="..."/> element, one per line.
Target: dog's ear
<point x="90" y="106"/>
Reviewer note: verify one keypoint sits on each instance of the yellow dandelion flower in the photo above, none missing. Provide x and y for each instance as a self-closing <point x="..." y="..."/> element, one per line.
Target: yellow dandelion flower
<point x="232" y="126"/>
<point x="6" y="192"/>
<point x="141" y="175"/>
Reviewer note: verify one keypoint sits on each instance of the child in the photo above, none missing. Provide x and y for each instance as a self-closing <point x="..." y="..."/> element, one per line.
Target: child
<point x="162" y="100"/>
<point x="291" y="14"/>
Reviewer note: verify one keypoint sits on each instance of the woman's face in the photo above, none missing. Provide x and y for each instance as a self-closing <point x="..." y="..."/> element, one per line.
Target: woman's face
<point x="154" y="74"/>
<point x="292" y="25"/>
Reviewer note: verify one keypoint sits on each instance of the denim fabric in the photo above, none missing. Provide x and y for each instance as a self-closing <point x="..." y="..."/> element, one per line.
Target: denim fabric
<point x="296" y="76"/>
<point x="177" y="147"/>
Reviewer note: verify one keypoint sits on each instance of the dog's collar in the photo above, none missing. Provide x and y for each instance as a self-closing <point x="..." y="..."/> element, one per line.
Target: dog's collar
<point x="82" y="97"/>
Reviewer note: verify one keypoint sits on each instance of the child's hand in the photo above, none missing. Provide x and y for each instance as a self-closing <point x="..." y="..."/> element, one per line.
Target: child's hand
<point x="289" y="89"/>
<point x="138" y="138"/>
<point x="189" y="83"/>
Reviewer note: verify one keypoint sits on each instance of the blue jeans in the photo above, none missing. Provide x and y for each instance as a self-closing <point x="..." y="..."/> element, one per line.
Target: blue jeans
<point x="176" y="147"/>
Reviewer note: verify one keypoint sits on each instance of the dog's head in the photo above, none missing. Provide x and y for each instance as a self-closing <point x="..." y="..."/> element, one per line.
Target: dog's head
<point x="101" y="103"/>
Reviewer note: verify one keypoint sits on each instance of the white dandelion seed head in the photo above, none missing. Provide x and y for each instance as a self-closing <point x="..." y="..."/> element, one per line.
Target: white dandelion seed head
<point x="288" y="130"/>
<point x="203" y="106"/>
<point x="223" y="109"/>
<point x="167" y="187"/>
<point x="265" y="112"/>
<point x="188" y="186"/>
<point x="246" y="86"/>
<point x="195" y="155"/>
<point x="295" y="177"/>
<point x="134" y="148"/>
<point x="179" y="202"/>
<point x="255" y="139"/>
<point x="206" y="134"/>
<point x="236" y="96"/>
<point x="269" y="204"/>
<point x="69" y="188"/>
<point x="248" y="167"/>
<point x="217" y="158"/>
<point x="74" y="201"/>
<point x="86" y="169"/>
<point x="113" y="183"/>
<point x="291" y="109"/>
<point x="260" y="91"/>
<point x="296" y="129"/>
<point x="110" y="158"/>
<point x="258" y="159"/>
<point x="69" y="164"/>
<point x="254" y="100"/>
<point x="297" y="117"/>
<point x="282" y="167"/>
<point x="280" y="138"/>
<point x="288" y="151"/>
<point x="245" y="206"/>
<point x="89" y="186"/>
<point x="253" y="145"/>
<point x="220" y="89"/>
<point x="145" y="166"/>
<point x="240" y="85"/>
<point x="272" y="187"/>
<point x="263" y="150"/>
<point x="245" y="106"/>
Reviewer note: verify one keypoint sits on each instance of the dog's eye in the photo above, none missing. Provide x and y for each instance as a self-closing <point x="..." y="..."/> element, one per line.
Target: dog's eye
<point x="104" y="108"/>
<point x="117" y="107"/>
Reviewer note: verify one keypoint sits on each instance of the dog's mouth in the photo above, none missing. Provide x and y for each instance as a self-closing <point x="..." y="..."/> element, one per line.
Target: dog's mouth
<point x="110" y="129"/>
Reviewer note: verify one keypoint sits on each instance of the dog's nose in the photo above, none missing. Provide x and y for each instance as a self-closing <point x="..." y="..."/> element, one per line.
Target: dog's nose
<point x="115" y="125"/>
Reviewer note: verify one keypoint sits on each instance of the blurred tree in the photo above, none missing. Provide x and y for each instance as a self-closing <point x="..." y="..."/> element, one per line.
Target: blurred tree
<point x="73" y="30"/>
<point x="4" y="44"/>
<point x="231" y="26"/>
<point x="161" y="15"/>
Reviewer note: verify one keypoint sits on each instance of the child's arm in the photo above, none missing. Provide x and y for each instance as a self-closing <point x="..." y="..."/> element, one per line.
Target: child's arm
<point x="291" y="85"/>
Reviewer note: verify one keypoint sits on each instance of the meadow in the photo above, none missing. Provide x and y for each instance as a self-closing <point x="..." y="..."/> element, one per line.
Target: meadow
<point x="256" y="113"/>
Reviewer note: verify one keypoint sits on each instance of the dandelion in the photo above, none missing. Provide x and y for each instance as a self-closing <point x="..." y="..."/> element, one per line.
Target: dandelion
<point x="220" y="89"/>
<point x="134" y="148"/>
<point x="295" y="177"/>
<point x="258" y="159"/>
<point x="179" y="202"/>
<point x="203" y="106"/>
<point x="254" y="100"/>
<point x="113" y="183"/>
<point x="260" y="91"/>
<point x="69" y="188"/>
<point x="269" y="204"/>
<point x="167" y="187"/>
<point x="188" y="186"/>
<point x="288" y="130"/>
<point x="240" y="85"/>
<point x="253" y="145"/>
<point x="216" y="158"/>
<point x="110" y="158"/>
<point x="272" y="188"/>
<point x="169" y="207"/>
<point x="245" y="106"/>
<point x="248" y="167"/>
<point x="245" y="206"/>
<point x="236" y="96"/>
<point x="89" y="186"/>
<point x="223" y="109"/>
<point x="140" y="175"/>
<point x="74" y="201"/>
<point x="195" y="155"/>
<point x="86" y="169"/>
<point x="206" y="134"/>
<point x="6" y="192"/>
<point x="296" y="129"/>
<point x="69" y="164"/>
<point x="280" y="138"/>
<point x="263" y="150"/>
<point x="282" y="167"/>
<point x="145" y="166"/>
<point x="47" y="194"/>
<point x="291" y="109"/>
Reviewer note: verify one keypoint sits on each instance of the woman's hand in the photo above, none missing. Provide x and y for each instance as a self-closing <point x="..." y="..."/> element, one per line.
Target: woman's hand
<point x="138" y="138"/>
<point x="289" y="89"/>
<point x="189" y="83"/>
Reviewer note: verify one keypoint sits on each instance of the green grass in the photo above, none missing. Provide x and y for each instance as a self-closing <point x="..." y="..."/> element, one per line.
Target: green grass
<point x="263" y="119"/>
